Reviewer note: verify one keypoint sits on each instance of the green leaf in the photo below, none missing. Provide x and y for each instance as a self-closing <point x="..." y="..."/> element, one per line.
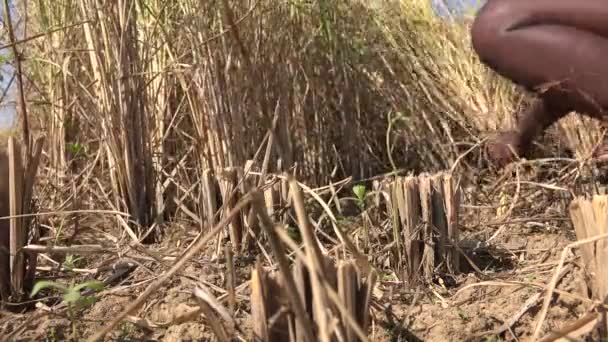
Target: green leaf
<point x="45" y="284"/>
<point x="359" y="191"/>
<point x="85" y="302"/>
<point x="75" y="148"/>
<point x="93" y="284"/>
<point x="294" y="233"/>
<point x="70" y="261"/>
<point x="71" y="296"/>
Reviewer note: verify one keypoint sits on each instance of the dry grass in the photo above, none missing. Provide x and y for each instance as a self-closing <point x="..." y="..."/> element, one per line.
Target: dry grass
<point x="143" y="102"/>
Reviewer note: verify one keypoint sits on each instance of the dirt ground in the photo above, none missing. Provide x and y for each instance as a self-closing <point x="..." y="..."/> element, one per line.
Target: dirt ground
<point x="475" y="305"/>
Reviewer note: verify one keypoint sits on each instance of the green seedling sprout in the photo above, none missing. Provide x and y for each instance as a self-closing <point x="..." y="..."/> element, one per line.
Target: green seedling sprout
<point x="360" y="191"/>
<point x="71" y="296"/>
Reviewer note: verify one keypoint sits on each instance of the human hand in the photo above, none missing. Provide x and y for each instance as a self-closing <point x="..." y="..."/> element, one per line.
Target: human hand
<point x="504" y="147"/>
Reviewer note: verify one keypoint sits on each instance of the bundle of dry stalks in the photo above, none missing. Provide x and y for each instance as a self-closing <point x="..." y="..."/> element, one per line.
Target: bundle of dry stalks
<point x="18" y="173"/>
<point x="590" y="221"/>
<point x="19" y="160"/>
<point x="424" y="213"/>
<point x="324" y="301"/>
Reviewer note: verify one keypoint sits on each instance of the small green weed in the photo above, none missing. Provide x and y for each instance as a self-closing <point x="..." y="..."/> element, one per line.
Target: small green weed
<point x="294" y="233"/>
<point x="463" y="315"/>
<point x="70" y="261"/>
<point x="360" y="192"/>
<point x="76" y="148"/>
<point x="72" y="297"/>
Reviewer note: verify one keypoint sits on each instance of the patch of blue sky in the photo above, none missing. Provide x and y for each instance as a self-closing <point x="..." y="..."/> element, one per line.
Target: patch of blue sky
<point x="456" y="9"/>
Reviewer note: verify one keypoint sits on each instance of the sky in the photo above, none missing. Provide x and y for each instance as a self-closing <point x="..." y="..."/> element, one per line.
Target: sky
<point x="456" y="8"/>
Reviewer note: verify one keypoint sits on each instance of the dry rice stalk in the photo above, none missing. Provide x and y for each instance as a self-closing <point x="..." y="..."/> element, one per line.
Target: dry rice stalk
<point x="553" y="283"/>
<point x="580" y="327"/>
<point x="210" y="306"/>
<point x="315" y="258"/>
<point x="341" y="286"/>
<point x="304" y="325"/>
<point x="356" y="320"/>
<point x="18" y="233"/>
<point x="80" y="249"/>
<point x="425" y="213"/>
